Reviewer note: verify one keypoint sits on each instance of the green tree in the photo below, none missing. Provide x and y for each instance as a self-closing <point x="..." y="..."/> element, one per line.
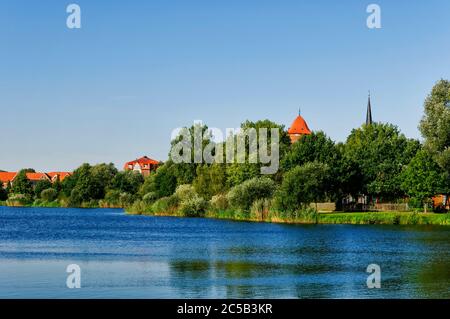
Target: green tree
<point x="185" y="173"/>
<point x="423" y="178"/>
<point x="48" y="194"/>
<point x="127" y="182"/>
<point x="40" y="186"/>
<point x="435" y="124"/>
<point x="162" y="183"/>
<point x="22" y="184"/>
<point x="302" y="186"/>
<point x="237" y="173"/>
<point x="242" y="196"/>
<point x="381" y="152"/>
<point x="210" y="180"/>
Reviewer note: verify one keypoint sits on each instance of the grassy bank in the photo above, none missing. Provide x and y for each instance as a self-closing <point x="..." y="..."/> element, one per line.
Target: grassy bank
<point x="358" y="218"/>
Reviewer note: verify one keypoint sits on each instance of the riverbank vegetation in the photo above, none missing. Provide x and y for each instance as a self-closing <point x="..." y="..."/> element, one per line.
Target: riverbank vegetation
<point x="376" y="162"/>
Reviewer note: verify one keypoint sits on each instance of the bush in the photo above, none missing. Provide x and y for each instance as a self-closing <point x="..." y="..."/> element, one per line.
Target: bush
<point x="165" y="204"/>
<point x="19" y="200"/>
<point x="112" y="197"/>
<point x="126" y="199"/>
<point x="260" y="209"/>
<point x="49" y="195"/>
<point x="149" y="198"/>
<point x="194" y="206"/>
<point x="219" y="202"/>
<point x="186" y="191"/>
<point x="243" y="195"/>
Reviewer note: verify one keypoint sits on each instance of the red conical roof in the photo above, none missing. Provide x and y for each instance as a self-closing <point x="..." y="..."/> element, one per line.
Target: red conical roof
<point x="299" y="126"/>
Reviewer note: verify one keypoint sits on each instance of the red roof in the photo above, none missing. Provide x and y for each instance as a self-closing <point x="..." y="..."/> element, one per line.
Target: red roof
<point x="7" y="176"/>
<point x="37" y="176"/>
<point x="141" y="162"/>
<point x="299" y="126"/>
<point x="60" y="175"/>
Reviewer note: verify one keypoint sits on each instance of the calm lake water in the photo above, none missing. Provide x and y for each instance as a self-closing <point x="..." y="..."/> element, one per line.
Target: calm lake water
<point x="163" y="257"/>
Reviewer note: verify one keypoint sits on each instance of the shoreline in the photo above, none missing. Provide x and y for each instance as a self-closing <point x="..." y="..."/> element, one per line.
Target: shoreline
<point x="335" y="218"/>
<point x="324" y="218"/>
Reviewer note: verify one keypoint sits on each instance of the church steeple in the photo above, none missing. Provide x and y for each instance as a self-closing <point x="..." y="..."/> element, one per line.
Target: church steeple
<point x="369" y="112"/>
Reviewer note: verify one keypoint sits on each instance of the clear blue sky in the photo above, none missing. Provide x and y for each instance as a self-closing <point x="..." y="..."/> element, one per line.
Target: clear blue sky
<point x="115" y="89"/>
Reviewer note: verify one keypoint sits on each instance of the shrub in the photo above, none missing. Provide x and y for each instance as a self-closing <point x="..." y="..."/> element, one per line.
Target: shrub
<point x="150" y="198"/>
<point x="19" y="200"/>
<point x="194" y="206"/>
<point x="49" y="195"/>
<point x="219" y="202"/>
<point x="165" y="204"/>
<point x="112" y="197"/>
<point x="260" y="209"/>
<point x="126" y="199"/>
<point x="184" y="192"/>
<point x="243" y="195"/>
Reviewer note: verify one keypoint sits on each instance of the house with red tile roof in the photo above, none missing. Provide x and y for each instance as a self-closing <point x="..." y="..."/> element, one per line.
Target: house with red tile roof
<point x="143" y="165"/>
<point x="8" y="177"/>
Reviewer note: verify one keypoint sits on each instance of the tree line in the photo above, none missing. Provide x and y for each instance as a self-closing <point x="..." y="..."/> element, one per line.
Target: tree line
<point x="376" y="160"/>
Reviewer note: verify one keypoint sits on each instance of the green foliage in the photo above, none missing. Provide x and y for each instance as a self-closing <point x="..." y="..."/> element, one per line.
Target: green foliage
<point x="381" y="153"/>
<point x="185" y="173"/>
<point x="219" y="202"/>
<point x="435" y="124"/>
<point x="191" y="204"/>
<point x="165" y="204"/>
<point x="48" y="195"/>
<point x="210" y="180"/>
<point x="41" y="186"/>
<point x="19" y="200"/>
<point x="127" y="182"/>
<point x="150" y="198"/>
<point x="423" y="177"/>
<point x="22" y="184"/>
<point x="301" y="186"/>
<point x="163" y="182"/>
<point x="260" y="209"/>
<point x="194" y="206"/>
<point x="242" y="196"/>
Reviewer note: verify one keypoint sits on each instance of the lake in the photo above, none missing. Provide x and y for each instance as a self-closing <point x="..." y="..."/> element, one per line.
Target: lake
<point x="124" y="256"/>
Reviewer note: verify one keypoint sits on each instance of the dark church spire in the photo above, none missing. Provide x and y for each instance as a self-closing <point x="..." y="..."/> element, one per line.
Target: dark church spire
<point x="369" y="112"/>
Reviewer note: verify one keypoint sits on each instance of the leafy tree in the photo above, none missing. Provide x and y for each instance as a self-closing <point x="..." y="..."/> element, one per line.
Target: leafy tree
<point x="237" y="173"/>
<point x="163" y="182"/>
<point x="48" y="194"/>
<point x="22" y="184"/>
<point x="309" y="148"/>
<point x="210" y="180"/>
<point x="103" y="174"/>
<point x="435" y="124"/>
<point x="423" y="178"/>
<point x="40" y="186"/>
<point x="127" y="182"/>
<point x="381" y="152"/>
<point x="243" y="195"/>
<point x="302" y="186"/>
<point x="185" y="173"/>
